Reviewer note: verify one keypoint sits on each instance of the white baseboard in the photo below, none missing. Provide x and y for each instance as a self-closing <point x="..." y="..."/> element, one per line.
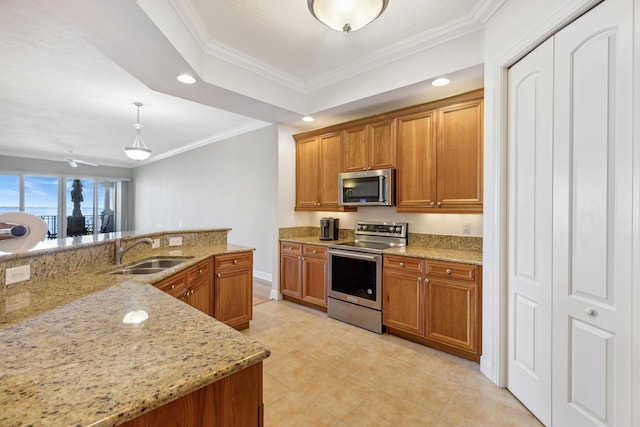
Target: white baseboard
<point x="275" y="295"/>
<point x="263" y="277"/>
<point x="486" y="368"/>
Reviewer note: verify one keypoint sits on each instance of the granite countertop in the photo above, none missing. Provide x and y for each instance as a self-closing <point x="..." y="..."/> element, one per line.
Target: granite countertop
<point x="452" y="255"/>
<point x="68" y="358"/>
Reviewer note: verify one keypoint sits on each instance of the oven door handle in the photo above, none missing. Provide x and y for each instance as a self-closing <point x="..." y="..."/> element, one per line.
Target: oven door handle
<point x="355" y="255"/>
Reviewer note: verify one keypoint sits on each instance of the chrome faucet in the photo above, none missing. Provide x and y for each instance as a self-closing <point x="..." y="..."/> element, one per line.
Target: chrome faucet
<point x="119" y="251"/>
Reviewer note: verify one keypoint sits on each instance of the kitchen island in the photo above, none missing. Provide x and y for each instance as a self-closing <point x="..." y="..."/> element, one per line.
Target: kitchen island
<point x="71" y="359"/>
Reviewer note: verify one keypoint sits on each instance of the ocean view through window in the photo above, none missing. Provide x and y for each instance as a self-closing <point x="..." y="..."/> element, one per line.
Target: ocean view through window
<point x="70" y="206"/>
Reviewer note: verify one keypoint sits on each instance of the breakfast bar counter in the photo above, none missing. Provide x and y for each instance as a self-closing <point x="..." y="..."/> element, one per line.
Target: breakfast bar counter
<point x="93" y="349"/>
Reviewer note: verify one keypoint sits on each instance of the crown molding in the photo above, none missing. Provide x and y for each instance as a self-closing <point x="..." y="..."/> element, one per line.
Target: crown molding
<point x="229" y="133"/>
<point x="191" y="20"/>
<point x="469" y="23"/>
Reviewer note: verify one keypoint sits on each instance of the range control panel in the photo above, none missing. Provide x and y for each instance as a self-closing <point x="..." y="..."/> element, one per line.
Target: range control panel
<point x="390" y="229"/>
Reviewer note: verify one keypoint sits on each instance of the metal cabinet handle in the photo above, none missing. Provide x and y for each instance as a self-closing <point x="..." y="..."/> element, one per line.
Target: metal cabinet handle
<point x="419" y="280"/>
<point x="426" y="280"/>
<point x="235" y="261"/>
<point x="439" y="204"/>
<point x="218" y="275"/>
<point x="200" y="271"/>
<point x="448" y="271"/>
<point x="590" y="311"/>
<point x="402" y="264"/>
<point x="432" y="204"/>
<point x="173" y="286"/>
<point x="314" y="251"/>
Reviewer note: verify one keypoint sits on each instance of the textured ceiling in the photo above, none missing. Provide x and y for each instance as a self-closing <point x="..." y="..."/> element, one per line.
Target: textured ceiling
<point x="69" y="73"/>
<point x="284" y="35"/>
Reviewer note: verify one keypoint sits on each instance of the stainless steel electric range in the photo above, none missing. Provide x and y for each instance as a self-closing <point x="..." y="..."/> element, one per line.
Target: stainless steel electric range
<point x="355" y="273"/>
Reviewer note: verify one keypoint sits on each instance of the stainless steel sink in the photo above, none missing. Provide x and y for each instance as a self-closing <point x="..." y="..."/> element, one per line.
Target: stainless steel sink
<point x="151" y="266"/>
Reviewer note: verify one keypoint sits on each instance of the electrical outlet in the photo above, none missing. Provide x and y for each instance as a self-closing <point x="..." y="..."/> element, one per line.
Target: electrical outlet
<point x="175" y="241"/>
<point x="156" y="244"/>
<point x="17" y="274"/>
<point x="466" y="228"/>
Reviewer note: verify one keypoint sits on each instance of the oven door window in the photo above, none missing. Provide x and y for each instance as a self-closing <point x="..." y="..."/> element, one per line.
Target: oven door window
<point x="355" y="277"/>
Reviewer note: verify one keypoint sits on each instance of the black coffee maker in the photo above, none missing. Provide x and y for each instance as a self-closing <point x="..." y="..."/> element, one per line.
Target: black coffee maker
<point x="329" y="228"/>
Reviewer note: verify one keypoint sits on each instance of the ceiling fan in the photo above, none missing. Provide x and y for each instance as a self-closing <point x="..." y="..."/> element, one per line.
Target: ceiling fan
<point x="75" y="162"/>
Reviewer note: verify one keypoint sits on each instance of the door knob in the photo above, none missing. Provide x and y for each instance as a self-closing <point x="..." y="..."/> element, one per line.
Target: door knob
<point x="590" y="311"/>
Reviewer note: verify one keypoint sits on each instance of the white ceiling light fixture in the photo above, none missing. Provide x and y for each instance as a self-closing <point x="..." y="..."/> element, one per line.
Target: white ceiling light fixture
<point x="139" y="150"/>
<point x="307" y="119"/>
<point x="346" y="15"/>
<point x="440" y="82"/>
<point x="187" y="79"/>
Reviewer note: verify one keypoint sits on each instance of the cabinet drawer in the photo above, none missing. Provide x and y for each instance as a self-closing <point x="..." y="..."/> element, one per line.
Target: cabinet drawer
<point x="231" y="261"/>
<point x="173" y="285"/>
<point x="402" y="263"/>
<point x="200" y="271"/>
<point x="315" y="251"/>
<point x="452" y="270"/>
<point x="289" y="248"/>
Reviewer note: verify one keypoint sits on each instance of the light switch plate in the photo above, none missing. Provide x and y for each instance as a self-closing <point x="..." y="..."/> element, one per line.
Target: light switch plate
<point x="175" y="241"/>
<point x="17" y="274"/>
<point x="466" y="228"/>
<point x="156" y="244"/>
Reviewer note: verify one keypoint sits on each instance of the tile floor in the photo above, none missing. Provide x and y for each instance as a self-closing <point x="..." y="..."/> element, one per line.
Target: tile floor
<point x="323" y="372"/>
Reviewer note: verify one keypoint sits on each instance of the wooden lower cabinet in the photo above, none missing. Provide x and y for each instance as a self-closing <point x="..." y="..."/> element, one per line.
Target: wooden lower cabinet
<point x="235" y="400"/>
<point x="435" y="303"/>
<point x="227" y="295"/>
<point x="192" y="286"/>
<point x="233" y="289"/>
<point x="304" y="274"/>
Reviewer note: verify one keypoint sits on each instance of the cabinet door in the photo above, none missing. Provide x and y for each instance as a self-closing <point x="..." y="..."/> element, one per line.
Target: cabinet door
<point x="459" y="155"/>
<point x="290" y="276"/>
<point x="200" y="296"/>
<point x="416" y="174"/>
<point x="233" y="291"/>
<point x="354" y="148"/>
<point x="330" y="167"/>
<point x="307" y="166"/>
<point x="314" y="280"/>
<point x="381" y="144"/>
<point x="403" y="302"/>
<point x="451" y="313"/>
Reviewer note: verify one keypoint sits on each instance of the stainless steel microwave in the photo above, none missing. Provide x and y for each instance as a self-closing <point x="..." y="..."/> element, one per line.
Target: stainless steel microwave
<point x="367" y="188"/>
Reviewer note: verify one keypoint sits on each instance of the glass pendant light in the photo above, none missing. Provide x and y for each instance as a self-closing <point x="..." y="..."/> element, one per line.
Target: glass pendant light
<point x="139" y="150"/>
<point x="346" y="15"/>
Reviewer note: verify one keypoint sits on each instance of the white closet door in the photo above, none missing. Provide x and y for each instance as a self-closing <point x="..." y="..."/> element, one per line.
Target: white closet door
<point x="530" y="231"/>
<point x="592" y="219"/>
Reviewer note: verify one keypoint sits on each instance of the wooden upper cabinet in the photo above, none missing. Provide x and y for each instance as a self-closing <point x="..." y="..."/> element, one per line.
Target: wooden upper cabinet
<point x="459" y="155"/>
<point x="318" y="163"/>
<point x="307" y="167"/>
<point x="416" y="173"/>
<point x="354" y="143"/>
<point x="440" y="155"/>
<point x="370" y="146"/>
<point x="330" y="167"/>
<point x="436" y="149"/>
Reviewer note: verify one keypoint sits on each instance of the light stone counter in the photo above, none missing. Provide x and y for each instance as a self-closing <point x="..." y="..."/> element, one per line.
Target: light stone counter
<point x="80" y="365"/>
<point x="439" y="254"/>
<point x="68" y="359"/>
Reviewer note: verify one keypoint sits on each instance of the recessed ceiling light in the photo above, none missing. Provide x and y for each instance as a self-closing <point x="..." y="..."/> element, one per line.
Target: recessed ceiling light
<point x="186" y="79"/>
<point x="307" y="119"/>
<point x="440" y="82"/>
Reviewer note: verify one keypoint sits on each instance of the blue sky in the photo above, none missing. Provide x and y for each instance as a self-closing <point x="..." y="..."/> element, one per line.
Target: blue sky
<point x="39" y="191"/>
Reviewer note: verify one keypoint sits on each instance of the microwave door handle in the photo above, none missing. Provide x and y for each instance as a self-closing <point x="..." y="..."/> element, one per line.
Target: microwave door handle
<point x="381" y="188"/>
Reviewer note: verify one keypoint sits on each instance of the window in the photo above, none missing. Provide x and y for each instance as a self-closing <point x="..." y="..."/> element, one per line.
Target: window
<point x="84" y="206"/>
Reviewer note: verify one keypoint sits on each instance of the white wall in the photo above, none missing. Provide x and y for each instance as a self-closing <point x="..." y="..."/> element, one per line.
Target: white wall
<point x="227" y="184"/>
<point x="514" y="30"/>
